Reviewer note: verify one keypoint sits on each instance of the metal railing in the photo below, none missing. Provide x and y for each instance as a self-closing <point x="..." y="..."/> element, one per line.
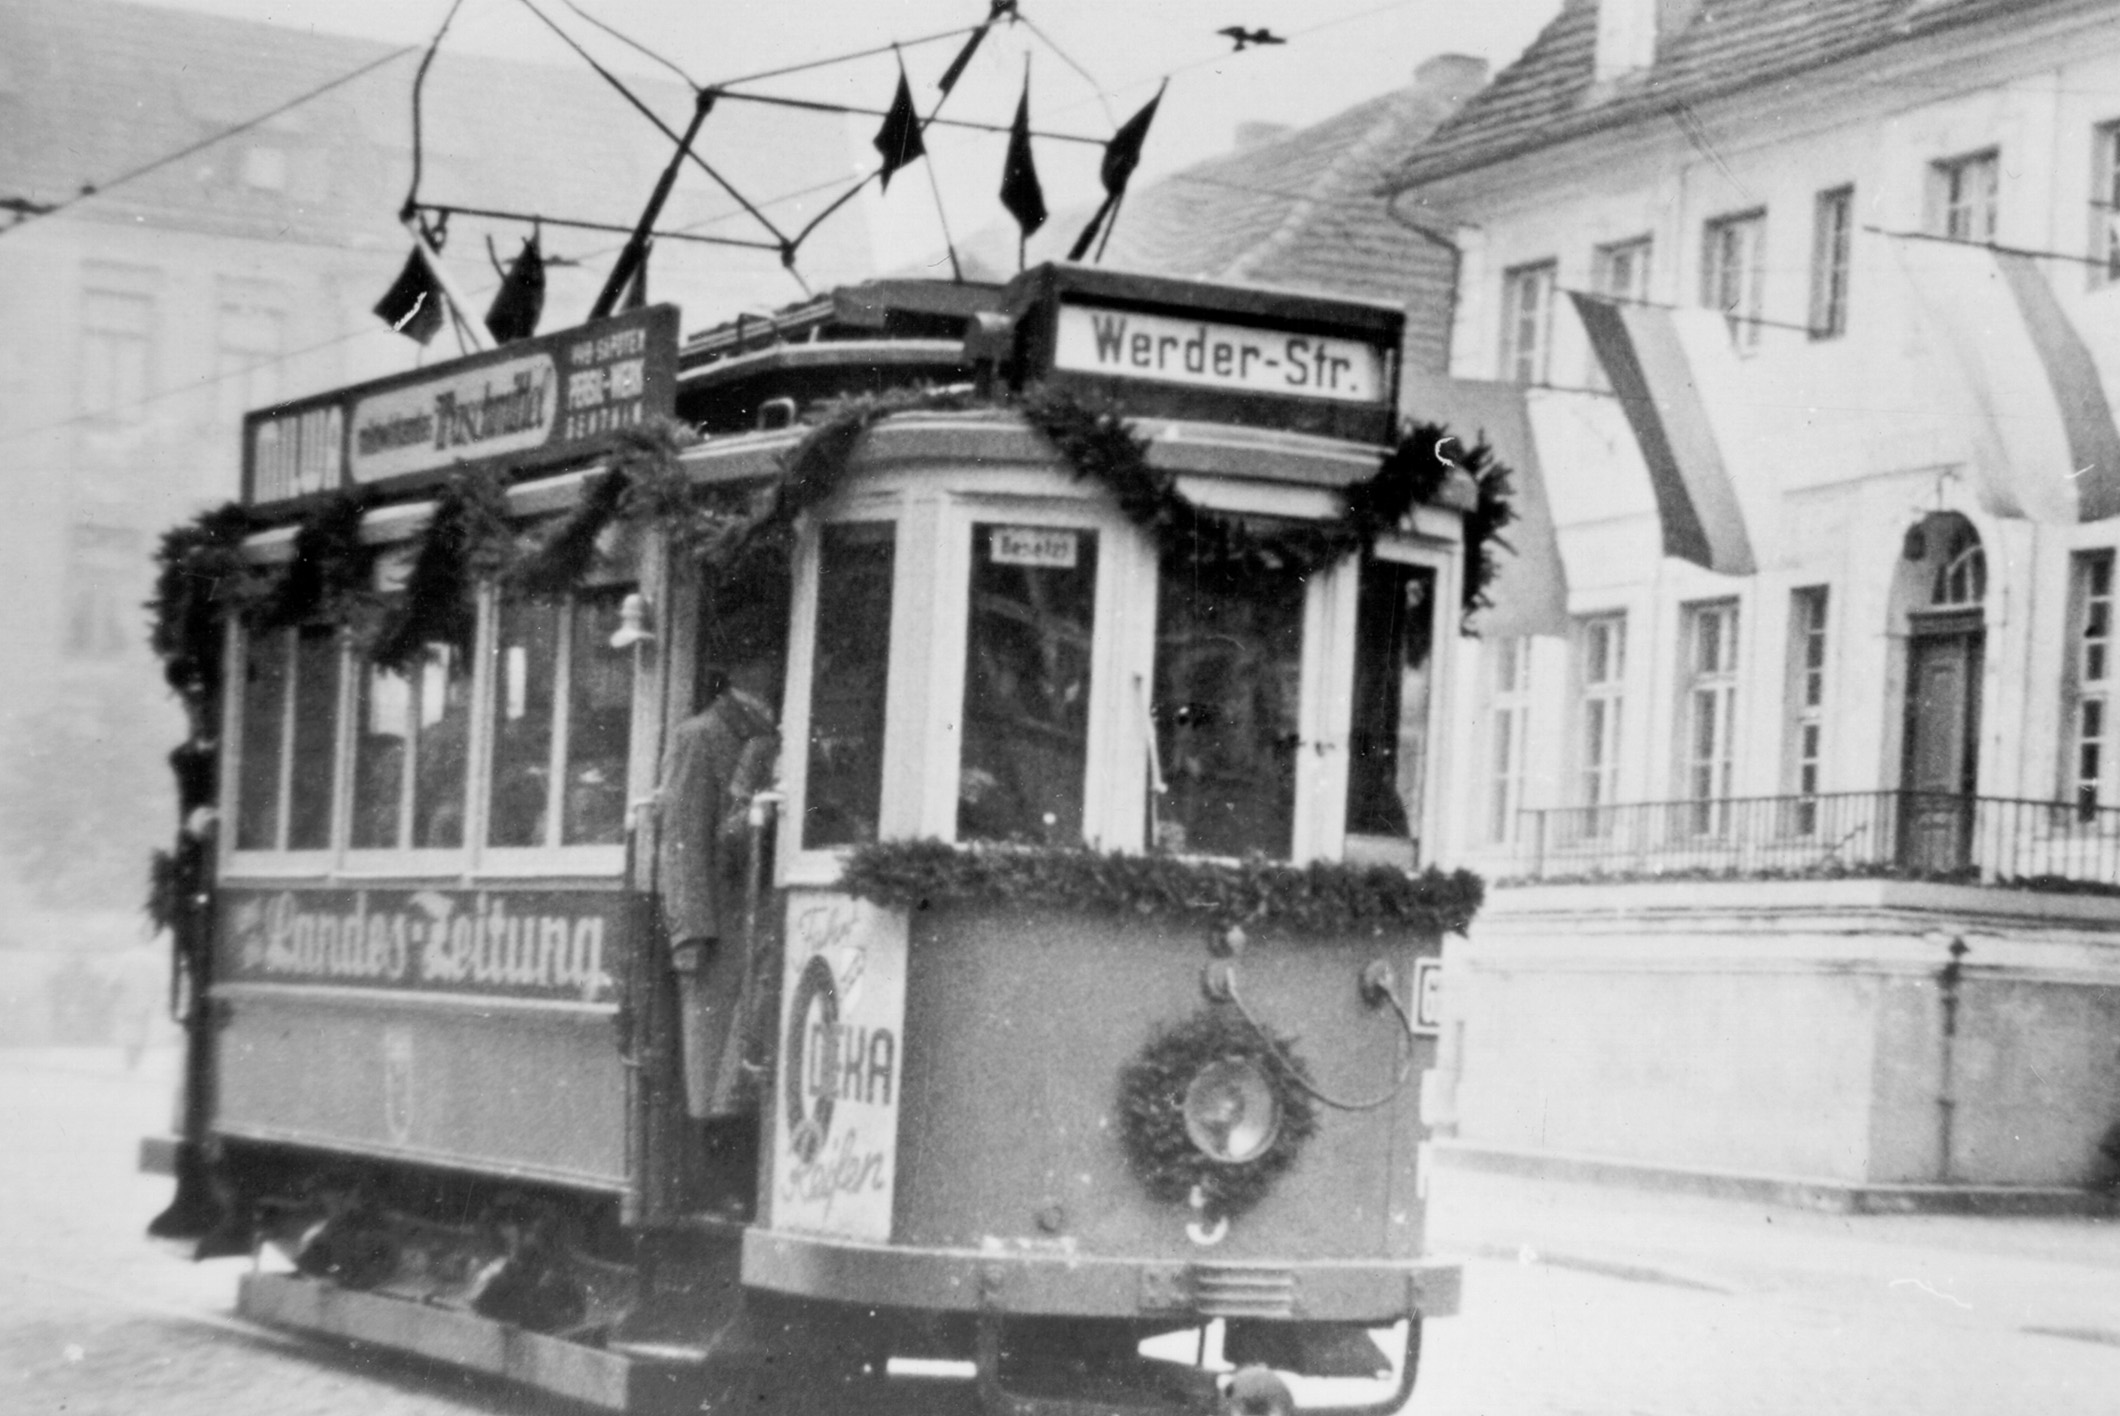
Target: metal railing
<point x="1915" y="835"/>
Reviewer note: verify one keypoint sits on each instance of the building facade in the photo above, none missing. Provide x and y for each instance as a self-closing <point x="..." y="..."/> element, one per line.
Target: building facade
<point x="1793" y="755"/>
<point x="138" y="323"/>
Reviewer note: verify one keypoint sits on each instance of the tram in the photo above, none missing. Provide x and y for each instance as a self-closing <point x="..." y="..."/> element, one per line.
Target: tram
<point x="728" y="870"/>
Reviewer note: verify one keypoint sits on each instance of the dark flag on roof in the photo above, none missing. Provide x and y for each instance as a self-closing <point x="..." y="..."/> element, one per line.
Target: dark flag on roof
<point x="1020" y="190"/>
<point x="1121" y="156"/>
<point x="413" y="304"/>
<point x="899" y="137"/>
<point x="520" y="302"/>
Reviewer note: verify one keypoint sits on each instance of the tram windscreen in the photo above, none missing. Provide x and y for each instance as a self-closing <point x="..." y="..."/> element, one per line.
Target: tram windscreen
<point x="849" y="676"/>
<point x="1393" y="677"/>
<point x="311" y="764"/>
<point x="1025" y="749"/>
<point x="442" y="729"/>
<point x="1229" y="670"/>
<point x="264" y="724"/>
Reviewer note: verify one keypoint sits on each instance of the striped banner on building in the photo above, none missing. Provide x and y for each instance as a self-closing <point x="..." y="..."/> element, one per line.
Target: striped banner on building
<point x="2045" y="444"/>
<point x="1650" y="355"/>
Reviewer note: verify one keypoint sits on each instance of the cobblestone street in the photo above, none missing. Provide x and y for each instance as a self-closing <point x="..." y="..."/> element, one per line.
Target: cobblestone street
<point x="1576" y="1300"/>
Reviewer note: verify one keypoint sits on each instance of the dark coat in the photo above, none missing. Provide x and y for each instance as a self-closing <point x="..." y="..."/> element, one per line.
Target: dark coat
<point x="717" y="760"/>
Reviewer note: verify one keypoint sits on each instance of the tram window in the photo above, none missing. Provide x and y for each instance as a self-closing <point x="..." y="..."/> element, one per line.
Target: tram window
<point x="548" y="654"/>
<point x="525" y="663"/>
<point x="410" y="729"/>
<point x="848" y="680"/>
<point x="264" y="738"/>
<point x="1026" y="683"/>
<point x="1393" y="677"/>
<point x="316" y="732"/>
<point x="1228" y="687"/>
<point x="599" y="725"/>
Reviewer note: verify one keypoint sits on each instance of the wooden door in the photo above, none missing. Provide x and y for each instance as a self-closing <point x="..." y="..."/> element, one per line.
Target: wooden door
<point x="1942" y="750"/>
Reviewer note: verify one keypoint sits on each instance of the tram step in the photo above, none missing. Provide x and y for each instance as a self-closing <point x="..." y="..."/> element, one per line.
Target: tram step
<point x="633" y="1381"/>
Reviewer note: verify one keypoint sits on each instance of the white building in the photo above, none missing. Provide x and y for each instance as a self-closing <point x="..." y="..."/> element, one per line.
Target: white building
<point x="1797" y="772"/>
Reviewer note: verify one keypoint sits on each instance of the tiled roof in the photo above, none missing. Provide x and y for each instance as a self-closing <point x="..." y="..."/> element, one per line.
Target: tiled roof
<point x="1549" y="93"/>
<point x="1299" y="211"/>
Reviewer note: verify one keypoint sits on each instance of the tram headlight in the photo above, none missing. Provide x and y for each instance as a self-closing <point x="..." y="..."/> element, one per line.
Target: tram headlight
<point x="1231" y="1111"/>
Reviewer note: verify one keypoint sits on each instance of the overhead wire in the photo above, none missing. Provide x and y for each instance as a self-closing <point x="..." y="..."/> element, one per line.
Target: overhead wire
<point x="664" y="128"/>
<point x="97" y="189"/>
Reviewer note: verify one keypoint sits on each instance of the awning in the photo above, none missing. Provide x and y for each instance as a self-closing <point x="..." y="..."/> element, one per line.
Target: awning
<point x="2045" y="446"/>
<point x="1656" y="359"/>
<point x="1530" y="593"/>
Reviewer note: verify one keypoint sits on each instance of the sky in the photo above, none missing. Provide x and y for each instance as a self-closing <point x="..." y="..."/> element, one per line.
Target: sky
<point x="1092" y="63"/>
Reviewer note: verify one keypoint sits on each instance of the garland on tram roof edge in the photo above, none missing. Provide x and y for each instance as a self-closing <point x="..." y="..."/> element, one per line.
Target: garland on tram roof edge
<point x="732" y="533"/>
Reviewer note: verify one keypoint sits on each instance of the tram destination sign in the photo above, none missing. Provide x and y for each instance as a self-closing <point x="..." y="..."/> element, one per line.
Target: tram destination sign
<point x="1216" y="353"/>
<point x="556" y="398"/>
<point x="1129" y="344"/>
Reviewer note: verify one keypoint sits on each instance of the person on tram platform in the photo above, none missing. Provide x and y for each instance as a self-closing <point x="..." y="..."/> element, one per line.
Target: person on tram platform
<point x="717" y="761"/>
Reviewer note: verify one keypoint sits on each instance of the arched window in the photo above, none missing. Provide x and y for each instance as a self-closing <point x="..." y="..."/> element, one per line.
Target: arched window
<point x="1961" y="573"/>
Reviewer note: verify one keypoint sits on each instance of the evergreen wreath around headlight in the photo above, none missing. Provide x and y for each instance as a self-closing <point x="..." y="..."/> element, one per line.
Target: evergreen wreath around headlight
<point x="1152" y="1112"/>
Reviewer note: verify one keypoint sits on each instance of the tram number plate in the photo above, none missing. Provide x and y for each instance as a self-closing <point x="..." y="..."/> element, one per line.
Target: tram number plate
<point x="1427" y="995"/>
<point x="1042" y="547"/>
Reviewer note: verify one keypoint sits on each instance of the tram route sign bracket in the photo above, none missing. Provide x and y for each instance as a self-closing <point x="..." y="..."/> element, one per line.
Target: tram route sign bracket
<point x="1155" y="346"/>
<point x="535" y="403"/>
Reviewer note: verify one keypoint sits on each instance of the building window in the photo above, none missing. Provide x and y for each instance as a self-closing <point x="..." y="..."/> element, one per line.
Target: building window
<point x="562" y="721"/>
<point x="1508" y="723"/>
<point x="1807" y="699"/>
<point x="1962" y="197"/>
<point x="1832" y="228"/>
<point x="2090" y="679"/>
<point x="1602" y="657"/>
<point x="1527" y="322"/>
<point x="1733" y="271"/>
<point x="117" y="332"/>
<point x="2105" y="204"/>
<point x="102" y="590"/>
<point x="1620" y="272"/>
<point x="250" y="342"/>
<point x="1710" y="713"/>
<point x="1025" y="748"/>
<point x="849" y="679"/>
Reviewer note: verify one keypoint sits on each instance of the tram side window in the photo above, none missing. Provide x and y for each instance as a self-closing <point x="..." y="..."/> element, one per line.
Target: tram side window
<point x="1026" y="683"/>
<point x="1393" y="679"/>
<point x="849" y="677"/>
<point x="409" y="754"/>
<point x="562" y="722"/>
<point x="285" y="779"/>
<point x="1228" y="681"/>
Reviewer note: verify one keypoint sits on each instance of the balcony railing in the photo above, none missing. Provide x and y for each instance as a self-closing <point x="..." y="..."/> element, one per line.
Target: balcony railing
<point x="1915" y="835"/>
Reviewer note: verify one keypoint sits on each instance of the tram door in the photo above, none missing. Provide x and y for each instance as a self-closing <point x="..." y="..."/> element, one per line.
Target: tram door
<point x="1942" y="747"/>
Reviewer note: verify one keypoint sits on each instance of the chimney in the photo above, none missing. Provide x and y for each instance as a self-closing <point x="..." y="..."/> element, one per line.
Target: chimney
<point x="1253" y="132"/>
<point x="1455" y="77"/>
<point x="1629" y="33"/>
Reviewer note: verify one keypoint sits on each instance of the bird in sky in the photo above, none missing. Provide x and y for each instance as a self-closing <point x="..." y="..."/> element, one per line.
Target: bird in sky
<point x="1245" y="38"/>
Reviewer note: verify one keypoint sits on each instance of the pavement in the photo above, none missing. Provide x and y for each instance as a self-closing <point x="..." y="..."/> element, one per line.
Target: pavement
<point x="1578" y="1298"/>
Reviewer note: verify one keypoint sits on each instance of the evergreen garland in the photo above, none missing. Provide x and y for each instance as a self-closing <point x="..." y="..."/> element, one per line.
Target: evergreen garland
<point x="563" y="558"/>
<point x="1152" y="1127"/>
<point x="331" y="574"/>
<point x="200" y="576"/>
<point x="1321" y="898"/>
<point x="466" y="539"/>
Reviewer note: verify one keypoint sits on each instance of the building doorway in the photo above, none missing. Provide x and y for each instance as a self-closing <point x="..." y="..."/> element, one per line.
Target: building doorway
<point x="1946" y="634"/>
